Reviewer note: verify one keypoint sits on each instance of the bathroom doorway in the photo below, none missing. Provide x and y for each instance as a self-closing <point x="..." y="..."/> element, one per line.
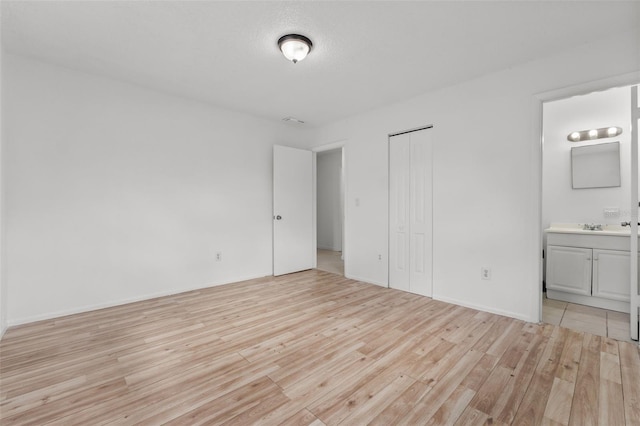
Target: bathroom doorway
<point x="586" y="250"/>
<point x="330" y="210"/>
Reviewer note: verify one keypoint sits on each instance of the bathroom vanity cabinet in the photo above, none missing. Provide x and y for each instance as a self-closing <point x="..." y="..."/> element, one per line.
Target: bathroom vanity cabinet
<point x="589" y="268"/>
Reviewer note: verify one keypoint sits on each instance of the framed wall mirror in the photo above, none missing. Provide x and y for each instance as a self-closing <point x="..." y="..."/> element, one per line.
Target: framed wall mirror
<point x="595" y="166"/>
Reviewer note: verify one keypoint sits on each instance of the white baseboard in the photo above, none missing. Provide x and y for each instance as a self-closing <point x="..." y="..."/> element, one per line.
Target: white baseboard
<point x="88" y="308"/>
<point x="486" y="309"/>
<point x="366" y="280"/>
<point x="612" y="305"/>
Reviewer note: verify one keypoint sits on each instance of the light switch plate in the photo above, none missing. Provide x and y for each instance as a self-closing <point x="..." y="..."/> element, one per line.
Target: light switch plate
<point x="611" y="212"/>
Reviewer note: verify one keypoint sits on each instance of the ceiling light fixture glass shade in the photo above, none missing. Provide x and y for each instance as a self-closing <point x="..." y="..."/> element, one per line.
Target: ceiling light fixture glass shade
<point x="295" y="47"/>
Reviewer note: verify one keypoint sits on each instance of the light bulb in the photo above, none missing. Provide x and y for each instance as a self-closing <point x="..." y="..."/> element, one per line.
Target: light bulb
<point x="593" y="133"/>
<point x="575" y="136"/>
<point x="612" y="131"/>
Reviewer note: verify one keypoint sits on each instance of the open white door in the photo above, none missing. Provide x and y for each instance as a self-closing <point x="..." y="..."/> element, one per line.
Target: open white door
<point x="634" y="290"/>
<point x="293" y="231"/>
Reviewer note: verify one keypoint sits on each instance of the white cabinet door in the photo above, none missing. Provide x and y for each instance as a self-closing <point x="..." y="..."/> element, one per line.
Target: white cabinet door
<point x="569" y="269"/>
<point x="611" y="274"/>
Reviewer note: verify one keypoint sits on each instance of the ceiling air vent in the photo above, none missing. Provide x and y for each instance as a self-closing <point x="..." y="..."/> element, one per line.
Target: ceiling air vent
<point x="292" y="120"/>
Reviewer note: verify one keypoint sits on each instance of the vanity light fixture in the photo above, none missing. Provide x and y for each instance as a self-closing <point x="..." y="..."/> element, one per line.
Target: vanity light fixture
<point x="587" y="135"/>
<point x="295" y="47"/>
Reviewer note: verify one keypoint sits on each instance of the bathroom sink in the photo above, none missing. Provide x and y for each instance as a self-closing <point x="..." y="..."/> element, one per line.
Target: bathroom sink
<point x="578" y="228"/>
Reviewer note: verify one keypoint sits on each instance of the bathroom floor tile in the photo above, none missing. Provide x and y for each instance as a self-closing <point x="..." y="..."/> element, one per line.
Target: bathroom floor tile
<point x="552" y="315"/>
<point x="551" y="318"/>
<point x="585" y="318"/>
<point x="622" y="334"/>
<point x="559" y="304"/>
<point x="593" y="328"/>
<point x="618" y="316"/>
<point x="589" y="310"/>
<point x="588" y="319"/>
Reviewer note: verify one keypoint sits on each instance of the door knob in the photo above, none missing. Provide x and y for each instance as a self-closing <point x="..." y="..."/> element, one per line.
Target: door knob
<point x="278" y="217"/>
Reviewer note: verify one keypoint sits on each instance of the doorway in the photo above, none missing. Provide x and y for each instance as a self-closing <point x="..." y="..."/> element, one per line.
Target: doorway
<point x="330" y="210"/>
<point x="586" y="250"/>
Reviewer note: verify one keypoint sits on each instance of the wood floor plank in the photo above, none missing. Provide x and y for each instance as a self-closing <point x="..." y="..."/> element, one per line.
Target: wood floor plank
<point x="584" y="409"/>
<point x="533" y="405"/>
<point x="311" y="348"/>
<point x="432" y="401"/>
<point x="611" y="401"/>
<point x="630" y="368"/>
<point x="558" y="407"/>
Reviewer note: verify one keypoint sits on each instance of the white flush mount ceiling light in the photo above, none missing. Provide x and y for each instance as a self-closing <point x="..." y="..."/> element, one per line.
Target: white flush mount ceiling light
<point x="295" y="47"/>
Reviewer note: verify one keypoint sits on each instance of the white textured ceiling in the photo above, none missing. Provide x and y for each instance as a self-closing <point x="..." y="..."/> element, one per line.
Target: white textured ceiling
<point x="366" y="54"/>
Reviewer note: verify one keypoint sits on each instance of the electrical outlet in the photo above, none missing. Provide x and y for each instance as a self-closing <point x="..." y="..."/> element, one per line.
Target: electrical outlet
<point x="485" y="273"/>
<point x="219" y="256"/>
<point x="611" y="212"/>
<point x="379" y="257"/>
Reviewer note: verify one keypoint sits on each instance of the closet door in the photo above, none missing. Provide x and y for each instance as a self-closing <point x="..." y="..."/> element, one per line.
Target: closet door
<point x="410" y="213"/>
<point x="399" y="194"/>
<point x="420" y="214"/>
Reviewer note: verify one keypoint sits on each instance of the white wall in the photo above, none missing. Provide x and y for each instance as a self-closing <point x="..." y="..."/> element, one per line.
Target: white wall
<point x="329" y="211"/>
<point x="486" y="177"/>
<point x="117" y="193"/>
<point x="3" y="286"/>
<point x="562" y="203"/>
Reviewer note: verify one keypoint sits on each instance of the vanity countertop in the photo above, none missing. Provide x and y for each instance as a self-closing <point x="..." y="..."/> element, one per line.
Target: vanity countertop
<point x="577" y="228"/>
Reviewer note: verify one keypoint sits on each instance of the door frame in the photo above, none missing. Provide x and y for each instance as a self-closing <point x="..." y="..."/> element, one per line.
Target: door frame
<point x="340" y="144"/>
<point x="629" y="79"/>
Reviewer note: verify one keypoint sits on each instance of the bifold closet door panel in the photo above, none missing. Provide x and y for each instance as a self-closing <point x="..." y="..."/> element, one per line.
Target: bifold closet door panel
<point x="421" y="213"/>
<point x="399" y="194"/>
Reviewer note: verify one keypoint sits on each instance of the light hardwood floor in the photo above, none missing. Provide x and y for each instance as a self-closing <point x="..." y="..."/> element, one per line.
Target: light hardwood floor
<point x="311" y="348"/>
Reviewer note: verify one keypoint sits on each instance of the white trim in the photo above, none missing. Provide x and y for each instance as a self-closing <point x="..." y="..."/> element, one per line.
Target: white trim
<point x="314" y="207"/>
<point x="622" y="80"/>
<point x="486" y="309"/>
<point x="330" y="146"/>
<point x="366" y="280"/>
<point x="633" y="249"/>
<point x="536" y="193"/>
<point x="342" y="145"/>
<point x="97" y="306"/>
